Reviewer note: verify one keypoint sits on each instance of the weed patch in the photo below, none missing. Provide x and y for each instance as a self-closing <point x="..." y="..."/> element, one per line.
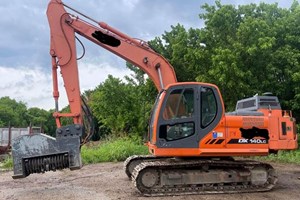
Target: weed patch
<point x="292" y="156"/>
<point x="112" y="150"/>
<point x="7" y="164"/>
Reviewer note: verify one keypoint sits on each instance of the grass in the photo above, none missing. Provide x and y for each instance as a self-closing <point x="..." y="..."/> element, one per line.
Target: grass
<point x="283" y="156"/>
<point x="7" y="164"/>
<point x="112" y="150"/>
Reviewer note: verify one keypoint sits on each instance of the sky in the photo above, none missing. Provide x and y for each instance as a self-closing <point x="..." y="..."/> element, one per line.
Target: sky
<point x="25" y="63"/>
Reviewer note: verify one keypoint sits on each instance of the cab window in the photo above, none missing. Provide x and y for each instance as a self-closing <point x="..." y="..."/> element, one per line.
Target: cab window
<point x="180" y="104"/>
<point x="179" y="110"/>
<point x="177" y="131"/>
<point x="208" y="107"/>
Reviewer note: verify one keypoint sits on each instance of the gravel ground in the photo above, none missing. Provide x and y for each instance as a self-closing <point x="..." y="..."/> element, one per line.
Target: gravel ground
<point x="107" y="181"/>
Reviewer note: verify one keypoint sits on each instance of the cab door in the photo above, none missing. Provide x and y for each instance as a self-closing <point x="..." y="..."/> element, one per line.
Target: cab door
<point x="188" y="113"/>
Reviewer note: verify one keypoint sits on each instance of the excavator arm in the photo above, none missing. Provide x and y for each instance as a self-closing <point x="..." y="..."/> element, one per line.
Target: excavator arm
<point x="63" y="27"/>
<point x="39" y="153"/>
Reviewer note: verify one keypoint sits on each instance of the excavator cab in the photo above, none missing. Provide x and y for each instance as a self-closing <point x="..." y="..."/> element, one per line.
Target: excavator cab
<point x="183" y="115"/>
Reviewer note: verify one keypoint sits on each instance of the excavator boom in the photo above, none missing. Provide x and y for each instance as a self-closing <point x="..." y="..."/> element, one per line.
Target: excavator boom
<point x="63" y="27"/>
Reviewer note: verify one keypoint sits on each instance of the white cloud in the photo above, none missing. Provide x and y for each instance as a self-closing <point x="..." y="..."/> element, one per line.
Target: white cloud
<point x="29" y="85"/>
<point x="33" y="86"/>
<point x="92" y="74"/>
<point x="130" y="3"/>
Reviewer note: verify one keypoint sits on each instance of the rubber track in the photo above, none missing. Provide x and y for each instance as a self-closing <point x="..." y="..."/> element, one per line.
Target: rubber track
<point x="202" y="188"/>
<point x="143" y="158"/>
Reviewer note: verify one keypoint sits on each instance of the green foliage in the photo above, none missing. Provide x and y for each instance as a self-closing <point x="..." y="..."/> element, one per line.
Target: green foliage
<point x="253" y="49"/>
<point x="184" y="51"/>
<point x="49" y="126"/>
<point x="284" y="157"/>
<point x="66" y="120"/>
<point x="16" y="114"/>
<point x="37" y="116"/>
<point x="119" y="106"/>
<point x="244" y="50"/>
<point x="113" y="150"/>
<point x="111" y="102"/>
<point x="41" y="117"/>
<point x="12" y="112"/>
<point x="8" y="163"/>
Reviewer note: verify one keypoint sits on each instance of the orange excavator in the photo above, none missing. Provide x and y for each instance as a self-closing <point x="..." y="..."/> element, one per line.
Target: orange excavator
<point x="192" y="141"/>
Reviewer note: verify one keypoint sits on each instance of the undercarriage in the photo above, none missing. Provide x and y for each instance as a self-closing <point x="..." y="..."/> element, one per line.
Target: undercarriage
<point x="158" y="176"/>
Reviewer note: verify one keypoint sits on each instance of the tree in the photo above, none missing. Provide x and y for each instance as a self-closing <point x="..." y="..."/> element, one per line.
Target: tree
<point x="115" y="104"/>
<point x="183" y="49"/>
<point x="42" y="118"/>
<point x="244" y="50"/>
<point x="145" y="95"/>
<point x="12" y="112"/>
<point x="254" y="49"/>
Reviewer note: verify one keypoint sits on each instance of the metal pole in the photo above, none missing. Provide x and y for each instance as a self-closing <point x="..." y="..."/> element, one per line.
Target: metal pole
<point x="157" y="66"/>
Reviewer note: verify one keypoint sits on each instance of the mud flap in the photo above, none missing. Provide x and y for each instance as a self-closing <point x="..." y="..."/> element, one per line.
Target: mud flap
<point x="39" y="153"/>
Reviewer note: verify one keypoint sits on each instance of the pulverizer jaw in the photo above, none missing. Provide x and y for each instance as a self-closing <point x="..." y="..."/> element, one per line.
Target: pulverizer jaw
<point x="38" y="153"/>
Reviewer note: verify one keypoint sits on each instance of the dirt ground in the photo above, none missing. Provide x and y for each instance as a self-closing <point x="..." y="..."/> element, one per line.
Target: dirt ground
<point x="107" y="181"/>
